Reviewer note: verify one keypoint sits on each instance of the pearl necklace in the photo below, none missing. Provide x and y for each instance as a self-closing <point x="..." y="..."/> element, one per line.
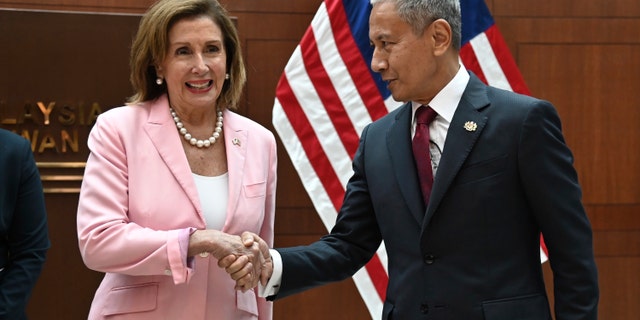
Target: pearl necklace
<point x="193" y="141"/>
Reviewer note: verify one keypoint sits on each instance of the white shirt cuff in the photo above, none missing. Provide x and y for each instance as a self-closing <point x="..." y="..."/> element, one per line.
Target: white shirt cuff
<point x="273" y="285"/>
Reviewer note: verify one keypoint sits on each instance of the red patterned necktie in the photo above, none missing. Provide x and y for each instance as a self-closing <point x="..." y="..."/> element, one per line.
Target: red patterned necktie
<point x="424" y="116"/>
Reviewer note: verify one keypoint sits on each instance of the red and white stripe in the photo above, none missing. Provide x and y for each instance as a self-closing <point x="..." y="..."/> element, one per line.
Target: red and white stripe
<point x="323" y="102"/>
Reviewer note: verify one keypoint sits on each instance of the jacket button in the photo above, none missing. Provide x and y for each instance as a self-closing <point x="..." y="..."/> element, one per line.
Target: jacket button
<point x="424" y="308"/>
<point x="429" y="258"/>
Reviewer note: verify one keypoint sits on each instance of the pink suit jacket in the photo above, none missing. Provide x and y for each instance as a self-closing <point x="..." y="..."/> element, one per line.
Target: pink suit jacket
<point x="138" y="195"/>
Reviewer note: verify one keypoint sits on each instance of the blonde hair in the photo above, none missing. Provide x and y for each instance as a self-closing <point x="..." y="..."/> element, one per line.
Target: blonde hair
<point x="150" y="47"/>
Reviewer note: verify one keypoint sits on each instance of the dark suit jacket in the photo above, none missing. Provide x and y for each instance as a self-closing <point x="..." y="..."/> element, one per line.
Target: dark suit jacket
<point x="474" y="253"/>
<point x="23" y="225"/>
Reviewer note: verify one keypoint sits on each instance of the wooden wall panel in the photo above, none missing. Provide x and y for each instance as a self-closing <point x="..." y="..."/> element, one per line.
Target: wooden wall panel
<point x="617" y="248"/>
<point x="66" y="287"/>
<point x="619" y="289"/>
<point x="566" y="8"/>
<point x="259" y="7"/>
<point x="591" y="93"/>
<point x="624" y="217"/>
<point x="135" y="6"/>
<point x="262" y="78"/>
<point x="73" y="60"/>
<point x="138" y="6"/>
<point x="583" y="56"/>
<point x="267" y="51"/>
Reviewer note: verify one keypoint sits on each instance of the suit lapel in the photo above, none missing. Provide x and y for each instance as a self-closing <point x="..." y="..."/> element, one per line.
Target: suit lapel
<point x="165" y="137"/>
<point x="460" y="141"/>
<point x="162" y="132"/>
<point x="399" y="144"/>
<point x="236" y="140"/>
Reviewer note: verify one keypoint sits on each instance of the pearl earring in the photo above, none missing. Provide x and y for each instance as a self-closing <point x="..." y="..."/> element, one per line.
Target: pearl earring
<point x="159" y="81"/>
<point x="226" y="76"/>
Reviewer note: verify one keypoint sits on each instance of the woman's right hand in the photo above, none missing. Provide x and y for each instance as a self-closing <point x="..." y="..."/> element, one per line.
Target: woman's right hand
<point x="245" y="271"/>
<point x="249" y="255"/>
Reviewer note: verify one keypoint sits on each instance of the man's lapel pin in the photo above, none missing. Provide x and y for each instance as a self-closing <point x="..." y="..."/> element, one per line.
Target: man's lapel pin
<point x="470" y="126"/>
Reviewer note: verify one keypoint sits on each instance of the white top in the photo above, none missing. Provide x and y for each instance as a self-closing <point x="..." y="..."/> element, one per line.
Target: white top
<point x="213" y="193"/>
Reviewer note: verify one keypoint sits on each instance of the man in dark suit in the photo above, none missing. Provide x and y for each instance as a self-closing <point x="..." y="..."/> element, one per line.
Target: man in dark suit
<point x="24" y="238"/>
<point x="505" y="176"/>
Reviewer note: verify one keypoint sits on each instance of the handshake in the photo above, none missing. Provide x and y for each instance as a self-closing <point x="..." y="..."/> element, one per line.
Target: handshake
<point x="246" y="258"/>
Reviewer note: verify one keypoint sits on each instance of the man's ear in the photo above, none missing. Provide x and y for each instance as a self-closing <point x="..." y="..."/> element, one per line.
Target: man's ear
<point x="442" y="36"/>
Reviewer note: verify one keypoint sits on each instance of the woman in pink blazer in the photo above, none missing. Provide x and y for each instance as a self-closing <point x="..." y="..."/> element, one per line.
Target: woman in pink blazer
<point x="174" y="176"/>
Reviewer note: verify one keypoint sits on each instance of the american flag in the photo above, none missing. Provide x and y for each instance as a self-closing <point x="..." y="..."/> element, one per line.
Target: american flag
<point x="327" y="94"/>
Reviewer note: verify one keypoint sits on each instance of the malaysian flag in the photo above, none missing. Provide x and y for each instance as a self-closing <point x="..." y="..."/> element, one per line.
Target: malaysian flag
<point x="327" y="94"/>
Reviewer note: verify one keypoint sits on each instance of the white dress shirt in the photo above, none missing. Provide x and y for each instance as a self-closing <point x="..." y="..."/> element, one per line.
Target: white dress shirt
<point x="444" y="104"/>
